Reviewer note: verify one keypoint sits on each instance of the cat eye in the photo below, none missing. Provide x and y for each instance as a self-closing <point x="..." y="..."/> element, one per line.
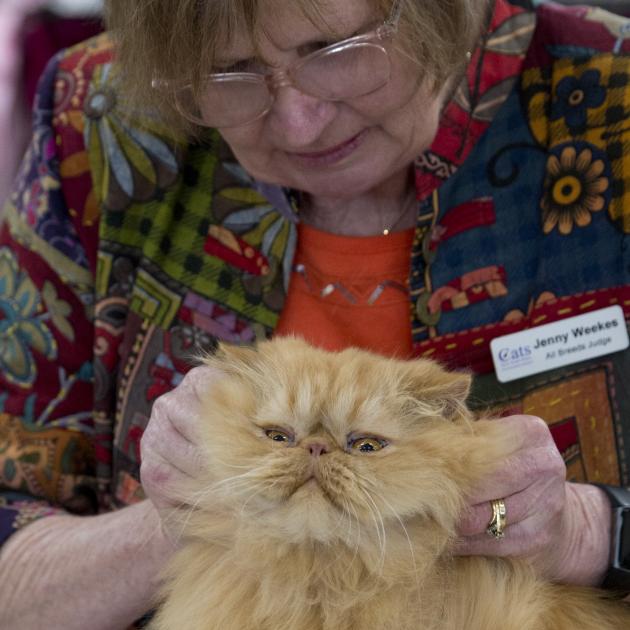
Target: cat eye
<point x="367" y="444"/>
<point x="278" y="436"/>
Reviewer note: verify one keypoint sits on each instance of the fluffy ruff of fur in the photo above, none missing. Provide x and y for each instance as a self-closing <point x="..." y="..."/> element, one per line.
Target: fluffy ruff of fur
<point x="276" y="538"/>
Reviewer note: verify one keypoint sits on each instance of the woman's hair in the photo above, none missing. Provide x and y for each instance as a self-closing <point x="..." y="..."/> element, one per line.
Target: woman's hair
<point x="179" y="39"/>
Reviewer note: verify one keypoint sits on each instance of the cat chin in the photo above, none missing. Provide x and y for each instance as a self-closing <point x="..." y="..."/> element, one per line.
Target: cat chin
<point x="306" y="516"/>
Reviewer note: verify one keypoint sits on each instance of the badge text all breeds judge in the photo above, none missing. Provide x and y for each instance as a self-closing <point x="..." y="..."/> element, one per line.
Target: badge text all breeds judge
<point x="560" y="343"/>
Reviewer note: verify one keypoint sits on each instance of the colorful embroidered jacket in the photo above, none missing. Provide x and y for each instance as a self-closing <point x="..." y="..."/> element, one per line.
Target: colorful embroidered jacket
<point x="123" y="250"/>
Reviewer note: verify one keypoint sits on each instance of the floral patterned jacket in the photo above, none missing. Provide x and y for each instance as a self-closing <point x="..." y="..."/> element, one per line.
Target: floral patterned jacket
<point x="123" y="249"/>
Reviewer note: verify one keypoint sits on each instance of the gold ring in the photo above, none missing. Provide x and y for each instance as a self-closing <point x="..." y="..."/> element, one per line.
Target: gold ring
<point x="499" y="519"/>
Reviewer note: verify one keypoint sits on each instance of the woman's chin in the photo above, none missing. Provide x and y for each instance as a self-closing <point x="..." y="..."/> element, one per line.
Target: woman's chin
<point x="348" y="183"/>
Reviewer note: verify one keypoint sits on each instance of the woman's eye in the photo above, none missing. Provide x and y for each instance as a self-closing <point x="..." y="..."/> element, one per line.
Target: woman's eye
<point x="245" y="65"/>
<point x="313" y="47"/>
<point x="319" y="45"/>
<point x="278" y="436"/>
<point x="367" y="444"/>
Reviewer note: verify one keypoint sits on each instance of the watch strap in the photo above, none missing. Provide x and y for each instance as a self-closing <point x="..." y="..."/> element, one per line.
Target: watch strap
<point x="619" y="496"/>
<point x="618" y="575"/>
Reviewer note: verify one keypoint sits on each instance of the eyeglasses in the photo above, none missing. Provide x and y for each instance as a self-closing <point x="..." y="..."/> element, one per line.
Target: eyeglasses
<point x="348" y="69"/>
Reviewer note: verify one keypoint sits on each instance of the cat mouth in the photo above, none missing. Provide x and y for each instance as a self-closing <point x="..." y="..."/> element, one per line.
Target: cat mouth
<point x="311" y="481"/>
<point x="314" y="483"/>
<point x="308" y="481"/>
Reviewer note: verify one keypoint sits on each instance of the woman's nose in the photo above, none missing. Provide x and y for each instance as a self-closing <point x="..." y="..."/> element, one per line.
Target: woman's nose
<point x="298" y="119"/>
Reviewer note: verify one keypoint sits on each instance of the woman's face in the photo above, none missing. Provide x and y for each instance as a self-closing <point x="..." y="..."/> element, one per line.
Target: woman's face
<point x="332" y="149"/>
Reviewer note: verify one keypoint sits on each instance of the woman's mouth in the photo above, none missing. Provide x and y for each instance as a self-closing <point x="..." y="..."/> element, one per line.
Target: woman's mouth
<point x="332" y="155"/>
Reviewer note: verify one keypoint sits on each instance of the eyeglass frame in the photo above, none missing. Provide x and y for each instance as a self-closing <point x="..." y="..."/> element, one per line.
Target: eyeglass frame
<point x="281" y="77"/>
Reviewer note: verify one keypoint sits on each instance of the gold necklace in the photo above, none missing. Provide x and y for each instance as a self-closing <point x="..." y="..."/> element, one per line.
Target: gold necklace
<point x="407" y="206"/>
<point x="303" y="209"/>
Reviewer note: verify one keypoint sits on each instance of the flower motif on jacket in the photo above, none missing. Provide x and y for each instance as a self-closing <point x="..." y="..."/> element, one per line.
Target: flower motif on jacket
<point x="130" y="162"/>
<point x="22" y="326"/>
<point x="253" y="218"/>
<point x="575" y="96"/>
<point x="58" y="309"/>
<point x="576" y="185"/>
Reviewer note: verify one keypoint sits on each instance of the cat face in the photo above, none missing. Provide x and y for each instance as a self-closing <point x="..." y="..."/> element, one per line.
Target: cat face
<point x="308" y="443"/>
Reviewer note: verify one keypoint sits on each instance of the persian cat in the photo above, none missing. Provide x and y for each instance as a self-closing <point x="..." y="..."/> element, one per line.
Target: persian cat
<point x="333" y="488"/>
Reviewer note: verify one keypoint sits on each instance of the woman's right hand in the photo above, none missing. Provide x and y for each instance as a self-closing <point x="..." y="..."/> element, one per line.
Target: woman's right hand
<point x="169" y="449"/>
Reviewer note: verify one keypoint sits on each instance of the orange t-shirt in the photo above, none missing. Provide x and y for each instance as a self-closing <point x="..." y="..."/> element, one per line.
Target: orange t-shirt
<point x="350" y="291"/>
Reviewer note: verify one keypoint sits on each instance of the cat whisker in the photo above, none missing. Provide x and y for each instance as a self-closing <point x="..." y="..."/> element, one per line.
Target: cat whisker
<point x="190" y="512"/>
<point x="230" y="485"/>
<point x="191" y="508"/>
<point x="234" y="488"/>
<point x="402" y="525"/>
<point x="207" y="490"/>
<point x="251" y="473"/>
<point x="199" y="496"/>
<point x="347" y="507"/>
<point x="238" y="466"/>
<point x="367" y="481"/>
<point x="343" y="513"/>
<point x="379" y="525"/>
<point x="264" y="487"/>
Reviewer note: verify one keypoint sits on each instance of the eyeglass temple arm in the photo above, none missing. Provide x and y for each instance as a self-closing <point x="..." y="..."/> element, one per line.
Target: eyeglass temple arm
<point x="394" y="14"/>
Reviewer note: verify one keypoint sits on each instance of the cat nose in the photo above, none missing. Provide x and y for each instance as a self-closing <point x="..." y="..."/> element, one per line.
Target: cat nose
<point x="318" y="448"/>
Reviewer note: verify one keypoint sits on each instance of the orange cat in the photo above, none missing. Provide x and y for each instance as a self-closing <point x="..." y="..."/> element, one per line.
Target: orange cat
<point x="334" y="485"/>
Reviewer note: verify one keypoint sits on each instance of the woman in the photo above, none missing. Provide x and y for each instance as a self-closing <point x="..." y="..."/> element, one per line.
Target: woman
<point x="484" y="141"/>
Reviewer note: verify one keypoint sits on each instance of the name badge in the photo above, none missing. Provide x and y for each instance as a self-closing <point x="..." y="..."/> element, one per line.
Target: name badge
<point x="560" y="343"/>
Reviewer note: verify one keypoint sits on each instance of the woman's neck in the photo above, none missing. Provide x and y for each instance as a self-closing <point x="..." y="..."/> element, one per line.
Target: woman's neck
<point x="389" y="207"/>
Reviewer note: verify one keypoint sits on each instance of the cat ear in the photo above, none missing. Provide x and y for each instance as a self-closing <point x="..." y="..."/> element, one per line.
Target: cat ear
<point x="233" y="352"/>
<point x="230" y="356"/>
<point x="438" y="387"/>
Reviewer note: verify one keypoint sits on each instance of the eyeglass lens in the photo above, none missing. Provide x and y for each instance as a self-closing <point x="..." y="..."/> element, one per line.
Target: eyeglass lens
<point x="346" y="72"/>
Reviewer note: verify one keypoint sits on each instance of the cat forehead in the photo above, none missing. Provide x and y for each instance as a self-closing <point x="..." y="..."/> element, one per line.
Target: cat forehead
<point x="339" y="408"/>
<point x="342" y="383"/>
<point x="291" y="373"/>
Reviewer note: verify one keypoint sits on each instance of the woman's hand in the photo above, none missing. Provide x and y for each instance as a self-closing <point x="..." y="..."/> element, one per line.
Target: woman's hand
<point x="562" y="528"/>
<point x="170" y="451"/>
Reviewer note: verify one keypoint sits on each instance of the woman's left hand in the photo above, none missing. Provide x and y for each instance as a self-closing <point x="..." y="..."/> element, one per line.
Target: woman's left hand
<point x="562" y="528"/>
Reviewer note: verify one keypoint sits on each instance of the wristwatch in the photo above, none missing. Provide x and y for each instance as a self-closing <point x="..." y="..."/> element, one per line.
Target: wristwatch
<point x="618" y="576"/>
